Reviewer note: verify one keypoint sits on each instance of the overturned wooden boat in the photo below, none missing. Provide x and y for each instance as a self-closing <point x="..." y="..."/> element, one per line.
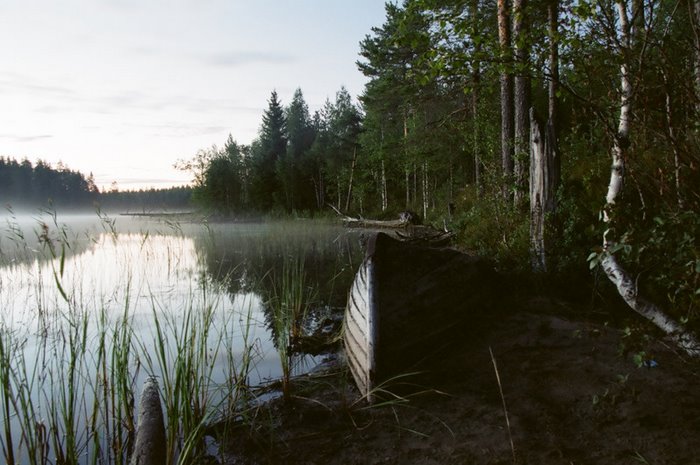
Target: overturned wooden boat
<point x="406" y="304"/>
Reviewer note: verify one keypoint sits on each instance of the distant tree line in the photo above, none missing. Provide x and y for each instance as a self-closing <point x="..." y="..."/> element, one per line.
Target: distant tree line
<point x="25" y="184"/>
<point x="32" y="185"/>
<point x="147" y="200"/>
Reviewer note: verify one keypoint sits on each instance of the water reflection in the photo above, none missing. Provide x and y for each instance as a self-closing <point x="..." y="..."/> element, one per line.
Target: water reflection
<point x="244" y="258"/>
<point x="150" y="266"/>
<point x="75" y="290"/>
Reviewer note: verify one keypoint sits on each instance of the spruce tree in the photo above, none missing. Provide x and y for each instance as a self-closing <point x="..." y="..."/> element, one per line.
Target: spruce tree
<point x="265" y="188"/>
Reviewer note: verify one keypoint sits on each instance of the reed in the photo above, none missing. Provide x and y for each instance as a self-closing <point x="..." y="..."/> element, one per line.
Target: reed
<point x="291" y="297"/>
<point x="68" y="377"/>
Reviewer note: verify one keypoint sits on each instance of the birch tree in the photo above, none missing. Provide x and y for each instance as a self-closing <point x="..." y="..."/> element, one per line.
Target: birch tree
<point x="615" y="271"/>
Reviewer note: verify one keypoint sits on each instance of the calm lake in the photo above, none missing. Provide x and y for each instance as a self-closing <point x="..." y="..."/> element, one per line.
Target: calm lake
<point x="92" y="306"/>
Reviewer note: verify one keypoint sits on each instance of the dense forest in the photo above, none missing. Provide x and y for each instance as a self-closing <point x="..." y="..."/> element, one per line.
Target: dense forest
<point x="173" y="199"/>
<point x="24" y="184"/>
<point x="551" y="134"/>
<point x="554" y="136"/>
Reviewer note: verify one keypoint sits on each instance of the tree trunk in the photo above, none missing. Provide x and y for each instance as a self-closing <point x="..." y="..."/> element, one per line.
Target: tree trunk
<point x="450" y="196"/>
<point x="521" y="100"/>
<point x="352" y="175"/>
<point x="542" y="190"/>
<point x="551" y="140"/>
<point x="553" y="84"/>
<point x="538" y="194"/>
<point x="506" y="79"/>
<point x="415" y="183"/>
<point x="425" y="189"/>
<point x="408" y="187"/>
<point x="321" y="188"/>
<point x="337" y="179"/>
<point x="405" y="149"/>
<point x="696" y="30"/>
<point x="475" y="143"/>
<point x="476" y="80"/>
<point x="385" y="200"/>
<point x="673" y="139"/>
<point x="626" y="286"/>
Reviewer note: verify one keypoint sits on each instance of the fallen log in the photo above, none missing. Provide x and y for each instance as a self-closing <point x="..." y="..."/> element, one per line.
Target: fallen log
<point x="406" y="218"/>
<point x="150" y="447"/>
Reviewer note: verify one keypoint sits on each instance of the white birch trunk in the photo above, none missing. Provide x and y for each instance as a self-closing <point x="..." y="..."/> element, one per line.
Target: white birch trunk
<point x="385" y="201"/>
<point x="674" y="141"/>
<point x="624" y="283"/>
<point x="539" y="174"/>
<point x="408" y="188"/>
<point x="352" y="175"/>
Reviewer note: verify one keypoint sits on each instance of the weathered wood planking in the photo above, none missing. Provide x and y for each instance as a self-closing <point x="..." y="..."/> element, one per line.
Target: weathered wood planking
<point x="360" y="328"/>
<point x="406" y="304"/>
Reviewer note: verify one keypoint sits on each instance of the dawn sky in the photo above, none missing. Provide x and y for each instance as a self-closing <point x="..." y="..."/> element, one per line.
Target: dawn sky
<point x="124" y="88"/>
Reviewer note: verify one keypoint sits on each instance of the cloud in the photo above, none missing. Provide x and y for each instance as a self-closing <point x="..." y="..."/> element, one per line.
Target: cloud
<point x="138" y="100"/>
<point x="242" y="58"/>
<point x="15" y="82"/>
<point x="31" y="138"/>
<point x="180" y="129"/>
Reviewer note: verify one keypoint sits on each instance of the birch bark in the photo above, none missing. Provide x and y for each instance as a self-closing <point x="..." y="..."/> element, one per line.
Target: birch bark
<point x="626" y="286"/>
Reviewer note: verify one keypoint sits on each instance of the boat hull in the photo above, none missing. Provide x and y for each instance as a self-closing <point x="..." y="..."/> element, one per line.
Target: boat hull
<point x="406" y="304"/>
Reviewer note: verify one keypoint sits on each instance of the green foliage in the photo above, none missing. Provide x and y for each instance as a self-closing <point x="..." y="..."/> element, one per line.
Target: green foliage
<point x="25" y="184"/>
<point x="667" y="254"/>
<point x="142" y="200"/>
<point x="428" y="136"/>
<point x="265" y="153"/>
<point x="295" y="167"/>
<point x="290" y="300"/>
<point x="504" y="237"/>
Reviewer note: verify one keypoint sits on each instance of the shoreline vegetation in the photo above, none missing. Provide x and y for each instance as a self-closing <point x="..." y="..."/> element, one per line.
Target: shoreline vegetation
<point x="72" y="363"/>
<point x="87" y="370"/>
<point x="494" y="120"/>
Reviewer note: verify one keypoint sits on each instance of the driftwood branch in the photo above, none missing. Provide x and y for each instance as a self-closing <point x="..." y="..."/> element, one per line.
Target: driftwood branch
<point x="360" y="222"/>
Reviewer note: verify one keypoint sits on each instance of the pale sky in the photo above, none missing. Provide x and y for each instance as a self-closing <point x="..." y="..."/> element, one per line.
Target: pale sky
<point x="124" y="88"/>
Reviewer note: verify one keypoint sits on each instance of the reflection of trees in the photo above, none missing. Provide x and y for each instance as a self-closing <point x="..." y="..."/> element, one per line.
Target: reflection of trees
<point x="42" y="239"/>
<point x="248" y="262"/>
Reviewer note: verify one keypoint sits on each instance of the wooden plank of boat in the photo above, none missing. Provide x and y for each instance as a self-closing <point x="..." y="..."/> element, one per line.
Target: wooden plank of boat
<point x="360" y="327"/>
<point x="406" y="301"/>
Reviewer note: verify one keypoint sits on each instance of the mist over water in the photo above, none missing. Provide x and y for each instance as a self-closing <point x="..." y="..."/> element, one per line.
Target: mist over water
<point x="62" y="271"/>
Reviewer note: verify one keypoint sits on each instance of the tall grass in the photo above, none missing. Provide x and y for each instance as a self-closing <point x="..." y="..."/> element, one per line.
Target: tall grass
<point x="291" y="297"/>
<point x="71" y="361"/>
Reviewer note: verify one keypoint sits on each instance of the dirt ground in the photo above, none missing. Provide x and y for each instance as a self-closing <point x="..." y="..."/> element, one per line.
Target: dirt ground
<point x="571" y="397"/>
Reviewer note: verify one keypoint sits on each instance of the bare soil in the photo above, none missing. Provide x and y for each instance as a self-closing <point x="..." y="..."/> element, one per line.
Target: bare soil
<point x="571" y="397"/>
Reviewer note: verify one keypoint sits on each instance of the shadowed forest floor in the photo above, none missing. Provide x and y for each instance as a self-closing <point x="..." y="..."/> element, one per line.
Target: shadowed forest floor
<point x="572" y="398"/>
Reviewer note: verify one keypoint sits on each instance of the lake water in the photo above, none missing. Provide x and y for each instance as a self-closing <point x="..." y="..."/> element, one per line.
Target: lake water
<point x="92" y="306"/>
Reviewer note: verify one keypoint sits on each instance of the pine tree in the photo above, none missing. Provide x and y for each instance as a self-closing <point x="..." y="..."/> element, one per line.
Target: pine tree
<point x="294" y="169"/>
<point x="265" y="188"/>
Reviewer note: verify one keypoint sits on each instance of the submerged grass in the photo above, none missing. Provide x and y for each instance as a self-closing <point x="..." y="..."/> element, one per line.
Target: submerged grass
<point x="71" y="360"/>
<point x="291" y="297"/>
